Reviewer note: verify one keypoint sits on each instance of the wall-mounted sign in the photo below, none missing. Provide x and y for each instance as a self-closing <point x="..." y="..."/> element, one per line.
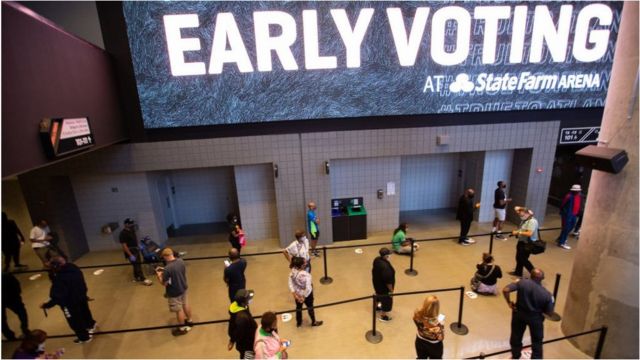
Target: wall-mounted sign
<point x="207" y="63"/>
<point x="583" y="135"/>
<point x="63" y="136"/>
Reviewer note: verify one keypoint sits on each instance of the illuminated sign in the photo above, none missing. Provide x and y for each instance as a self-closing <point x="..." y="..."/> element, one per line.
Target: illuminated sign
<point x="583" y="135"/>
<point x="63" y="136"/>
<point x="207" y="63"/>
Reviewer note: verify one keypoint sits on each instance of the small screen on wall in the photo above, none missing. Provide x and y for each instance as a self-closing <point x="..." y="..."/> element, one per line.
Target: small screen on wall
<point x="210" y="63"/>
<point x="64" y="136"/>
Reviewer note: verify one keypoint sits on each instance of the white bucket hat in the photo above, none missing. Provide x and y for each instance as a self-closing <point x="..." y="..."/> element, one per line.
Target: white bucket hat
<point x="576" y="187"/>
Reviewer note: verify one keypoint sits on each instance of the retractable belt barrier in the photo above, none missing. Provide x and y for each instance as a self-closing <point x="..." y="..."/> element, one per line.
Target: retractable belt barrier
<point x="280" y="252"/>
<point x="335" y="303"/>
<point x="597" y="354"/>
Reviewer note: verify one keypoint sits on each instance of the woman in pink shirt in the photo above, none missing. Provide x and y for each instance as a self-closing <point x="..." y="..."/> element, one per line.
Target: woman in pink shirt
<point x="268" y="344"/>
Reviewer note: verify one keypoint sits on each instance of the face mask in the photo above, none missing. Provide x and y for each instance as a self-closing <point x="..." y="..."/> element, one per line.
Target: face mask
<point x="274" y="330"/>
<point x="249" y="302"/>
<point x="523" y="217"/>
<point x="41" y="347"/>
<point x="303" y="239"/>
<point x="504" y="186"/>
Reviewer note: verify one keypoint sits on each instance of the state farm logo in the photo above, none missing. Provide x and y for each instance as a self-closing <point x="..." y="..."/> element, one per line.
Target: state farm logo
<point x="493" y="83"/>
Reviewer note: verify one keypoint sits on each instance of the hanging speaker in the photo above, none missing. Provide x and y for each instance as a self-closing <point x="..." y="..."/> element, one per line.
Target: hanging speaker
<point x="602" y="158"/>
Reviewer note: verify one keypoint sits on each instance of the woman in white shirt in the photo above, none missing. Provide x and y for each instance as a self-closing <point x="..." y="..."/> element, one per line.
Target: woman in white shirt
<point x="302" y="290"/>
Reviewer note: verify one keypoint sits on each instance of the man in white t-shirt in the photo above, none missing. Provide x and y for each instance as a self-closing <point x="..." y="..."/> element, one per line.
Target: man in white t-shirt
<point x="300" y="248"/>
<point x="40" y="240"/>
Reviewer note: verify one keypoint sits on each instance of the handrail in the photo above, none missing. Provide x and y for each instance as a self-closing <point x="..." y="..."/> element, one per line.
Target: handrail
<point x="602" y="330"/>
<point x="209" y="322"/>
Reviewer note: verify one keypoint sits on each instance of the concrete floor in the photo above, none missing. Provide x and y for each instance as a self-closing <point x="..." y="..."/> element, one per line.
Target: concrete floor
<point x="121" y="304"/>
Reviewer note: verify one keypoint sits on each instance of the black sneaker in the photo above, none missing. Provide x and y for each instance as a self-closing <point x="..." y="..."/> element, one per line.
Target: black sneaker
<point x="513" y="273"/>
<point x="179" y="332"/>
<point x="79" y="341"/>
<point x="384" y="318"/>
<point x="188" y="323"/>
<point x="317" y="323"/>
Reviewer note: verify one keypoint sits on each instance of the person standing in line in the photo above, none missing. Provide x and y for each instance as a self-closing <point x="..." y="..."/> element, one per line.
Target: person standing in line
<point x="12" y="240"/>
<point x="234" y="232"/>
<point x="234" y="273"/>
<point x="399" y="242"/>
<point x="500" y="203"/>
<point x="384" y="280"/>
<point x="301" y="287"/>
<point x="69" y="291"/>
<point x="40" y="240"/>
<point x="465" y="215"/>
<point x="268" y="344"/>
<point x="527" y="233"/>
<point x="174" y="278"/>
<point x="569" y="210"/>
<point x="430" y="325"/>
<point x="131" y="249"/>
<point x="242" y="326"/>
<point x="576" y="230"/>
<point x="32" y="347"/>
<point x="12" y="300"/>
<point x="300" y="248"/>
<point x="533" y="300"/>
<point x="313" y="227"/>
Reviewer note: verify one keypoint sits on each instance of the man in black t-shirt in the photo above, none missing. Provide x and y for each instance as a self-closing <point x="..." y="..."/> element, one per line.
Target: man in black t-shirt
<point x="131" y="249"/>
<point x="465" y="215"/>
<point x="384" y="280"/>
<point x="500" y="208"/>
<point x="234" y="273"/>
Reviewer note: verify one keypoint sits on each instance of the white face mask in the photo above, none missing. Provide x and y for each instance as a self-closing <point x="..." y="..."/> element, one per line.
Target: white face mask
<point x="523" y="217"/>
<point x="303" y="239"/>
<point x="41" y="347"/>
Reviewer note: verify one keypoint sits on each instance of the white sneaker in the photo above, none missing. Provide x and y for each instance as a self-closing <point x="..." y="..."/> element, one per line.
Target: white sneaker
<point x="471" y="241"/>
<point x="576" y="233"/>
<point x="147" y="282"/>
<point x="565" y="246"/>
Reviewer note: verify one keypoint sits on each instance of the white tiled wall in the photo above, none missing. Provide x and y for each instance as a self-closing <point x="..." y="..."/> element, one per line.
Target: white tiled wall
<point x="429" y="181"/>
<point x="300" y="159"/>
<point x="257" y="201"/>
<point x="203" y="195"/>
<point x="363" y="178"/>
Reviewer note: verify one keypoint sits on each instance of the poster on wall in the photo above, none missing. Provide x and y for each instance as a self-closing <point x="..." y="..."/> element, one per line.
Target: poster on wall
<point x="210" y="63"/>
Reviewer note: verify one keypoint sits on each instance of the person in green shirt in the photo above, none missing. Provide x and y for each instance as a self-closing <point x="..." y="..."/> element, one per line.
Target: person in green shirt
<point x="400" y="243"/>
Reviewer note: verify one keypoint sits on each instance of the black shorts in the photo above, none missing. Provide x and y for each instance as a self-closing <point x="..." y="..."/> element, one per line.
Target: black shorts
<point x="385" y="302"/>
<point x="315" y="237"/>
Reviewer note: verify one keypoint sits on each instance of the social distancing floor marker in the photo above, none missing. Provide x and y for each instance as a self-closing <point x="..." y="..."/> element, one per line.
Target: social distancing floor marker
<point x="358" y="251"/>
<point x="98" y="272"/>
<point x="471" y="294"/>
<point x="286" y="317"/>
<point x="34" y="277"/>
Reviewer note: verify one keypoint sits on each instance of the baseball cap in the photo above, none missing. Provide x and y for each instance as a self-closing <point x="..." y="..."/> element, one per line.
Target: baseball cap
<point x="243" y="295"/>
<point x="128" y="221"/>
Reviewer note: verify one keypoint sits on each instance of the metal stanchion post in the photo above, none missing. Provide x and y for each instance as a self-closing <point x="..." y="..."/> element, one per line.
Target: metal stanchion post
<point x="410" y="271"/>
<point x="458" y="327"/>
<point x="374" y="336"/>
<point x="603" y="335"/>
<point x="491" y="244"/>
<point x="555" y="316"/>
<point x="326" y="280"/>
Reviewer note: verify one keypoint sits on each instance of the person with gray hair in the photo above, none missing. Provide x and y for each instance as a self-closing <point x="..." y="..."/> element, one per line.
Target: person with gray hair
<point x="533" y="300"/>
<point x="527" y="233"/>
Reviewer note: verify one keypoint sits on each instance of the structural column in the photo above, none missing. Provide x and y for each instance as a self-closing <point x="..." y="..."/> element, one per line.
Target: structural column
<point x="604" y="281"/>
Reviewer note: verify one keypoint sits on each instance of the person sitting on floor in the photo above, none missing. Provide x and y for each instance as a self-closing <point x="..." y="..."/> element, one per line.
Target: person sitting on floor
<point x="400" y="243"/>
<point x="486" y="277"/>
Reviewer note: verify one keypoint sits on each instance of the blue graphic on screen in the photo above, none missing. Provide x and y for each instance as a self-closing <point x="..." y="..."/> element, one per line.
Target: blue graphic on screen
<point x="211" y="63"/>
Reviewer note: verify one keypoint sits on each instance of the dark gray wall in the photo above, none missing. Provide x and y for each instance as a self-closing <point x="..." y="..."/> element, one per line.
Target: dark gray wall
<point x="47" y="72"/>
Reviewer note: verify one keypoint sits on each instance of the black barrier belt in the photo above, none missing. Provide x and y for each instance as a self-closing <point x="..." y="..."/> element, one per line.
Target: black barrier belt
<point x="209" y="322"/>
<point x="482" y="356"/>
<point x="271" y="252"/>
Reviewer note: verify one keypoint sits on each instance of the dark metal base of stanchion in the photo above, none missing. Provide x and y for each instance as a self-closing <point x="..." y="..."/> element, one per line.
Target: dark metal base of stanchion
<point x="411" y="272"/>
<point x="374" y="339"/>
<point x="553" y="317"/>
<point x="326" y="280"/>
<point x="459" y="329"/>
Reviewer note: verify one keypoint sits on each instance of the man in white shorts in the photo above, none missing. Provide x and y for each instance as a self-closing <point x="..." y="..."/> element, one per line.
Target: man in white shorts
<point x="500" y="209"/>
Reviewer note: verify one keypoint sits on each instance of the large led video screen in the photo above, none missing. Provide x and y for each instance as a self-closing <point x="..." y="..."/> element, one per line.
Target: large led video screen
<point x="211" y="63"/>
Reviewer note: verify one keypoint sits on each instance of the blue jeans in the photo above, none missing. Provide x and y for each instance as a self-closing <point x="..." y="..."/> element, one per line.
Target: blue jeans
<point x="568" y="222"/>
